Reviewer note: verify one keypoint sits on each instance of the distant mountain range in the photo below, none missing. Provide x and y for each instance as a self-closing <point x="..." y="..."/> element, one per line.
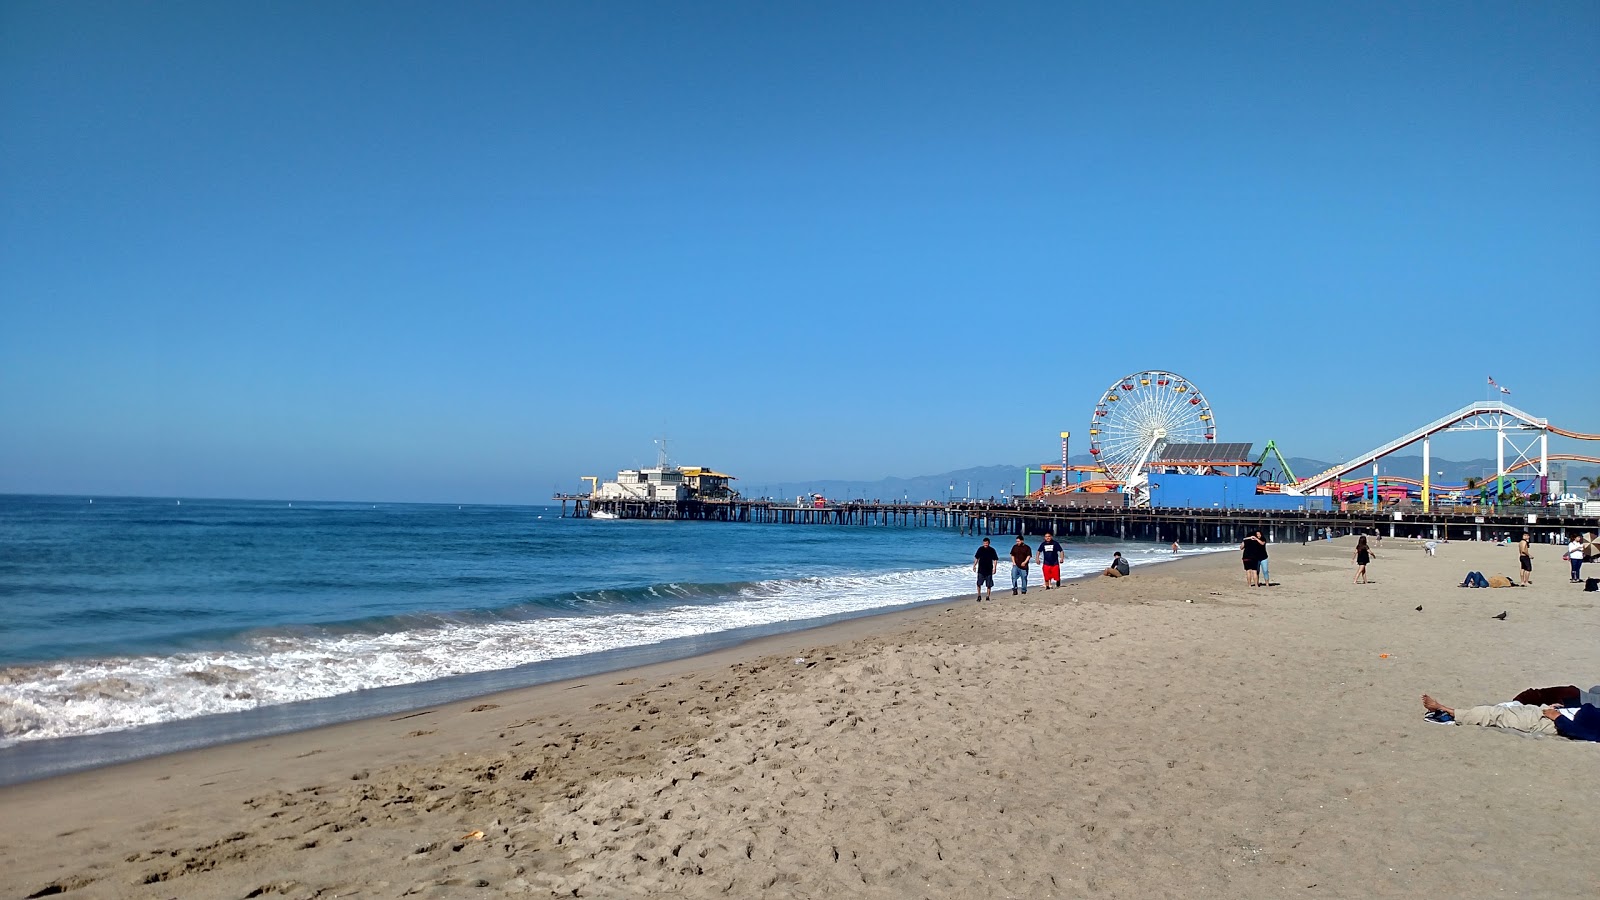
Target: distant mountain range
<point x="989" y="481"/>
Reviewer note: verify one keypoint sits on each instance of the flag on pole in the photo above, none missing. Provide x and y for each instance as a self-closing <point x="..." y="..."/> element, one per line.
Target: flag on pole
<point x="1505" y="390"/>
<point x="1491" y="379"/>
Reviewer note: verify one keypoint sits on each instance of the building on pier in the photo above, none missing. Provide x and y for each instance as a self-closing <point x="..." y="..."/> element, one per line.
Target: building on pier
<point x="668" y="483"/>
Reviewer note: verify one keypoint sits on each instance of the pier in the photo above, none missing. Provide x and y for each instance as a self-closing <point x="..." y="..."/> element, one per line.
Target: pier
<point x="1147" y="525"/>
<point x="1138" y="510"/>
<point x="760" y="511"/>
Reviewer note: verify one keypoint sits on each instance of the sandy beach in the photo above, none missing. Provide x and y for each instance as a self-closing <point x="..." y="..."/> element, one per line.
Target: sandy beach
<point x="1169" y="734"/>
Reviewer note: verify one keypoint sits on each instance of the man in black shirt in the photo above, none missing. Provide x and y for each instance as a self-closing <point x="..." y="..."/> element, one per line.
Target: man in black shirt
<point x="1050" y="560"/>
<point x="983" y="563"/>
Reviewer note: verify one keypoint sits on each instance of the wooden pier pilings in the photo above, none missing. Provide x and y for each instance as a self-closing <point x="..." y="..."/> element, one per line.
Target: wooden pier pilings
<point x="1186" y="526"/>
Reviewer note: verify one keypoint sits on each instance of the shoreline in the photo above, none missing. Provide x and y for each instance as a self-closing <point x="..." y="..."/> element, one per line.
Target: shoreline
<point x="28" y="761"/>
<point x="1171" y="733"/>
<point x="305" y="716"/>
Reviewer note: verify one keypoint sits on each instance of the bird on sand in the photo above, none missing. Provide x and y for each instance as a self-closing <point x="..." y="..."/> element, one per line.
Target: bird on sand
<point x="1501" y="617"/>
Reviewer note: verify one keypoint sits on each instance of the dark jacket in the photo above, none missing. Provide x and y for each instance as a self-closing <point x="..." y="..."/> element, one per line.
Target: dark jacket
<point x="1585" y="726"/>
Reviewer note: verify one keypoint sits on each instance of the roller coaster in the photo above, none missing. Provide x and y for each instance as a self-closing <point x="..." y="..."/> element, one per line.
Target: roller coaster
<point x="1512" y="427"/>
<point x="1345" y="488"/>
<point x="1526" y="435"/>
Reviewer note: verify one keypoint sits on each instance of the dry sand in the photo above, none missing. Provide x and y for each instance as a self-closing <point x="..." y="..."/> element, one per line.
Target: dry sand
<point x="1107" y="739"/>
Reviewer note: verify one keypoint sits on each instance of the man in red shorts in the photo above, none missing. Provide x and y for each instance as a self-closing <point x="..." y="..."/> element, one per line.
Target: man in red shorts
<point x="1050" y="560"/>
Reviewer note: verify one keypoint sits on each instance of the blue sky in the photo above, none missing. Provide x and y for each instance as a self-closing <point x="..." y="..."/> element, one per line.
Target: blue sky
<point x="468" y="252"/>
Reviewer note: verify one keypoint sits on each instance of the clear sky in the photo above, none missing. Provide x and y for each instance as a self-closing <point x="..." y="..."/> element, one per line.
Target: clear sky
<point x="471" y="251"/>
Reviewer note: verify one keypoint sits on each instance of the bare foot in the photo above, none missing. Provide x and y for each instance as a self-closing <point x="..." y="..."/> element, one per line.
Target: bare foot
<point x="1432" y="705"/>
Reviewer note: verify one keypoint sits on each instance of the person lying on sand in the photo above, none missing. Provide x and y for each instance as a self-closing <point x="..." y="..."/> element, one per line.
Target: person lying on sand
<point x="1584" y="725"/>
<point x="1118" y="567"/>
<point x="1477" y="580"/>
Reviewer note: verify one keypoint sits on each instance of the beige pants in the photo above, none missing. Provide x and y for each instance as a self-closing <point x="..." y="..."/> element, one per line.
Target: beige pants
<point x="1517" y="718"/>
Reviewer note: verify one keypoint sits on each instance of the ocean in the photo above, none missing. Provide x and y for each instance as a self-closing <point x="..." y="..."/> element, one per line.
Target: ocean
<point x="134" y="626"/>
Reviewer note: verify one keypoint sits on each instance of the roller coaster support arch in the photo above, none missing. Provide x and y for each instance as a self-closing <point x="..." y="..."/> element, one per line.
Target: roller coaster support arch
<point x="1501" y="418"/>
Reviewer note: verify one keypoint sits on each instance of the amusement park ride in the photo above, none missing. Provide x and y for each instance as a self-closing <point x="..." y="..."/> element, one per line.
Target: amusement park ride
<point x="1157" y="420"/>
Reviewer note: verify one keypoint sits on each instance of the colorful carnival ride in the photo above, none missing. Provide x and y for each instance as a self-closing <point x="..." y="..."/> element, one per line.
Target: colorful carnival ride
<point x="1160" y="421"/>
<point x="1527" y="436"/>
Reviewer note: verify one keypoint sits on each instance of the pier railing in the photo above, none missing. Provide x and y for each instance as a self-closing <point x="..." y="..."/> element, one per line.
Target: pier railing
<point x="1201" y="525"/>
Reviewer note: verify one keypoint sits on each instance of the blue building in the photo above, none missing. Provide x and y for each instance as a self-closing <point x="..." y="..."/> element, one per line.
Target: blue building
<point x="1172" y="490"/>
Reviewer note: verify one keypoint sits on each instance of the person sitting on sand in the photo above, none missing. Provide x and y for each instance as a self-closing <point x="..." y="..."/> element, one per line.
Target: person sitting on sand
<point x="1584" y="725"/>
<point x="1118" y="567"/>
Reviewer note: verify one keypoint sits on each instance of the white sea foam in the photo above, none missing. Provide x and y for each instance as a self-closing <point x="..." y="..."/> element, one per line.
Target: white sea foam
<point x="116" y="693"/>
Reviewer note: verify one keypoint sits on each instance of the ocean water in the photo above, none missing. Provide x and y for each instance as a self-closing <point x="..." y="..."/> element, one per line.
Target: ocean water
<point x="123" y="613"/>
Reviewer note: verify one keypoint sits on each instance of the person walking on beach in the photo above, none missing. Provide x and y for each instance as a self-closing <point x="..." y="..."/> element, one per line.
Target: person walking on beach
<point x="1362" y="557"/>
<point x="1050" y="560"/>
<point x="1525" y="559"/>
<point x="1252" y="551"/>
<point x="983" y="563"/>
<point x="1575" y="557"/>
<point x="1020" y="555"/>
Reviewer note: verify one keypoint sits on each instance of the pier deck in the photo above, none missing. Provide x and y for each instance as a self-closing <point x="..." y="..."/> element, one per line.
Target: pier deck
<point x="1186" y="526"/>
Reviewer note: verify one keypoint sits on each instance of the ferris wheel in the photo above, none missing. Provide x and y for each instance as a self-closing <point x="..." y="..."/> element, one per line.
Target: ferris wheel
<point x="1140" y="414"/>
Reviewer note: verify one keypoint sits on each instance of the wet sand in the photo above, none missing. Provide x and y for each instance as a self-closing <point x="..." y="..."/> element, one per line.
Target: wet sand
<point x="1169" y="734"/>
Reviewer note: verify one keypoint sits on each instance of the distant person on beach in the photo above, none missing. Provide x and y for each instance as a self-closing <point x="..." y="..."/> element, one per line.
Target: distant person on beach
<point x="1362" y="557"/>
<point x="1020" y="555"/>
<point x="1584" y="725"/>
<point x="1252" y="551"/>
<point x="1050" y="560"/>
<point x="1430" y="547"/>
<point x="983" y="563"/>
<point x="1265" y="579"/>
<point x="1118" y="567"/>
<point x="1575" y="557"/>
<point x="1174" y="546"/>
<point x="1525" y="559"/>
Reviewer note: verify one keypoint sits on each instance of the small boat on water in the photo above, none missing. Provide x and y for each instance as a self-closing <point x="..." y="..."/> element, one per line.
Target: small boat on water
<point x="602" y="514"/>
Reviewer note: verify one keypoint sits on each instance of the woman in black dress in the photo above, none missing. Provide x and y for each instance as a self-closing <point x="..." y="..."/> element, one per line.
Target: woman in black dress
<point x="1363" y="556"/>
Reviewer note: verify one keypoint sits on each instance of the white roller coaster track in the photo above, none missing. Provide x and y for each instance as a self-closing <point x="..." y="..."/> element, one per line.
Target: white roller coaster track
<point x="1483" y="416"/>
